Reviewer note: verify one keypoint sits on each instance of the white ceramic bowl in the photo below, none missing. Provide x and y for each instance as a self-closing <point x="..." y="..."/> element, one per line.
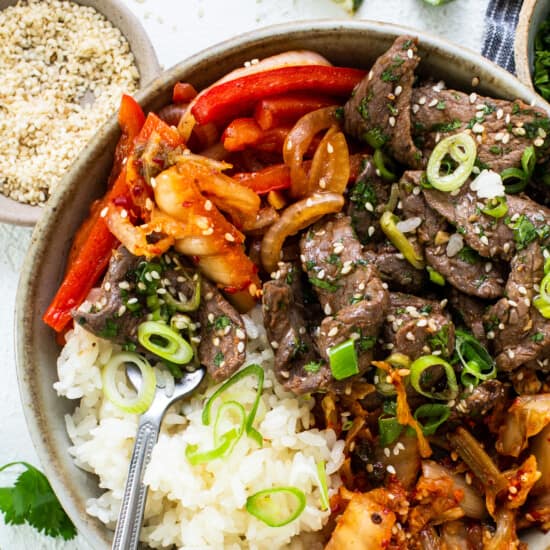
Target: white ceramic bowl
<point x="348" y="43"/>
<point x="148" y="66"/>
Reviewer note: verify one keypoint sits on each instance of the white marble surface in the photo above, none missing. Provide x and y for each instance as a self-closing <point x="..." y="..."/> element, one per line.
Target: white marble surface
<point x="178" y="29"/>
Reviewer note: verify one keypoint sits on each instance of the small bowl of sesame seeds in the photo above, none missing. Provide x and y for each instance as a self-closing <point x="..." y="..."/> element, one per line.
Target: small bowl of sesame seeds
<point x="64" y="66"/>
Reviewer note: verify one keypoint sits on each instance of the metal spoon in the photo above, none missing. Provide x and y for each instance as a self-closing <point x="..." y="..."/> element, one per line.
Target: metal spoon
<point x="133" y="503"/>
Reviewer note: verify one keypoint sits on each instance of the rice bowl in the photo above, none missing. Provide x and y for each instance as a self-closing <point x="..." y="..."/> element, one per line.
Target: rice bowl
<point x="28" y="348"/>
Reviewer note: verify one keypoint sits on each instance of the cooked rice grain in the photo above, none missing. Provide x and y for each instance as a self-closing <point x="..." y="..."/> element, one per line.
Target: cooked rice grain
<point x="202" y="506"/>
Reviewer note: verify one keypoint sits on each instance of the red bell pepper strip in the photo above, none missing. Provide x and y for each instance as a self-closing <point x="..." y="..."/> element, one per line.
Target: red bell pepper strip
<point x="235" y="97"/>
<point x="130" y="120"/>
<point x="273" y="111"/>
<point x="183" y="92"/>
<point x="86" y="267"/>
<point x="269" y="179"/>
<point x="94" y="241"/>
<point x="244" y="133"/>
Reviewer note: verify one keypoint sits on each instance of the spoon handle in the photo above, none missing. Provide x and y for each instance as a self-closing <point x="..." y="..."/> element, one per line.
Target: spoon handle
<point x="133" y="503"/>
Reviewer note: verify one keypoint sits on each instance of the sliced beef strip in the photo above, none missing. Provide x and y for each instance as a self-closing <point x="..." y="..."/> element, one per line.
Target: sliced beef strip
<point x="223" y="336"/>
<point x="367" y="198"/>
<point x="521" y="333"/>
<point x="380" y="104"/>
<point x="467" y="272"/>
<point x="505" y="128"/>
<point x="471" y="310"/>
<point x="286" y="326"/>
<point x="361" y="321"/>
<point x="108" y="317"/>
<point x="397" y="272"/>
<point x="490" y="237"/>
<point x="479" y="401"/>
<point x="333" y="259"/>
<point x="417" y="326"/>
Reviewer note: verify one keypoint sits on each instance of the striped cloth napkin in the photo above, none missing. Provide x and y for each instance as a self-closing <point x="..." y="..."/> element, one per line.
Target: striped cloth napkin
<point x="501" y="19"/>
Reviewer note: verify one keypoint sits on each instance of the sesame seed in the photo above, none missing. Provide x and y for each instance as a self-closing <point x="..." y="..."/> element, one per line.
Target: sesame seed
<point x="473" y="98"/>
<point x="124" y="285"/>
<point x="133" y="300"/>
<point x="518" y="131"/>
<point x="422" y="323"/>
<point x="289" y="145"/>
<point x="330" y="148"/>
<point x="107" y="286"/>
<point x="153" y="182"/>
<point x="369" y="206"/>
<point x="422" y="100"/>
<point x="208" y="205"/>
<point x="391" y="469"/>
<point x="121" y="310"/>
<point x="513" y="490"/>
<point x="327" y="309"/>
<point x="475" y="81"/>
<point x="511" y="303"/>
<point x="386" y="451"/>
<point x="488" y="267"/>
<point x="321" y="274"/>
<point x="240" y="347"/>
<point x="410" y="53"/>
<point x="510" y="353"/>
<point x="433" y="103"/>
<point x="505" y="138"/>
<point x="104" y="211"/>
<point x="415" y="108"/>
<point x="208" y="231"/>
<point x="216" y="341"/>
<point x="410" y="336"/>
<point x="240" y="334"/>
<point x="274" y="344"/>
<point x="398" y="90"/>
<point x="391" y="121"/>
<point x="539" y="142"/>
<point x="468" y="478"/>
<point x="478" y="128"/>
<point x="522" y="290"/>
<point x="229" y="237"/>
<point x="484" y="240"/>
<point x="491" y="335"/>
<point x="332" y="332"/>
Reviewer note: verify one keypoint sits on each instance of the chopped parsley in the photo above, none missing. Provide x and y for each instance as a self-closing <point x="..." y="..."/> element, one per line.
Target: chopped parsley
<point x="441" y="105"/>
<point x="388" y="76"/>
<point x="440" y="340"/>
<point x="221" y="322"/>
<point x="363" y="108"/>
<point x="310" y="264"/>
<point x="364" y="343"/>
<point x="426" y="309"/>
<point x="334" y="259"/>
<point x="362" y="193"/>
<point x="537" y="337"/>
<point x="444" y="127"/>
<point x="219" y="359"/>
<point x="468" y="255"/>
<point x="524" y="232"/>
<point x="325" y="285"/>
<point x="312" y="366"/>
<point x="300" y="347"/>
<point x="110" y="330"/>
<point x="495" y="150"/>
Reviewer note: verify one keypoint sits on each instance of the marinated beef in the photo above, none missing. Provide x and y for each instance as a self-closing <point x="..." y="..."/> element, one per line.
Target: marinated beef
<point x="361" y="321"/>
<point x="492" y="237"/>
<point x="461" y="268"/>
<point x="417" y="326"/>
<point x="379" y="110"/>
<point x="296" y="364"/>
<point x="333" y="259"/>
<point x="479" y="401"/>
<point x="471" y="310"/>
<point x="108" y="315"/>
<point x="394" y="269"/>
<point x="521" y="334"/>
<point x="503" y="128"/>
<point x="367" y="199"/>
<point x="223" y="336"/>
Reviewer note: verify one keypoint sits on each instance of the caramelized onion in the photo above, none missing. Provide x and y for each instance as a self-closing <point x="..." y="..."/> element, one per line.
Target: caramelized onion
<point x="540" y="447"/>
<point x="505" y="537"/>
<point x="297" y="143"/>
<point x="296" y="217"/>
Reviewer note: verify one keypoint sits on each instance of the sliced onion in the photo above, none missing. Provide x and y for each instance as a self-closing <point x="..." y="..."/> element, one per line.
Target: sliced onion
<point x="146" y="392"/>
<point x="296" y="217"/>
<point x="330" y="168"/>
<point x="297" y="143"/>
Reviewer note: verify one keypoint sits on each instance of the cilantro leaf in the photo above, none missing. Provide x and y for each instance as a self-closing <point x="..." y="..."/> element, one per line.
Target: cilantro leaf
<point x="31" y="500"/>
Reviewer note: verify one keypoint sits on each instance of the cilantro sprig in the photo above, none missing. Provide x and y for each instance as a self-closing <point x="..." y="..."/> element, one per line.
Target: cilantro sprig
<point x="31" y="500"/>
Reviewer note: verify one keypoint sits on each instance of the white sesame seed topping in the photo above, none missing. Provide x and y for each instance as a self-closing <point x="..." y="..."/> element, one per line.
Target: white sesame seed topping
<point x="229" y="237"/>
<point x="410" y="53"/>
<point x="330" y="148"/>
<point x="398" y="90"/>
<point x="391" y="121"/>
<point x="433" y="103"/>
<point x="415" y="108"/>
<point x="391" y="469"/>
<point x="332" y="332"/>
<point x="208" y="205"/>
<point x="240" y="347"/>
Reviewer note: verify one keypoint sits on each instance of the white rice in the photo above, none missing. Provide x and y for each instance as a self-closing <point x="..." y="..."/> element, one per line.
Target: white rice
<point x="200" y="507"/>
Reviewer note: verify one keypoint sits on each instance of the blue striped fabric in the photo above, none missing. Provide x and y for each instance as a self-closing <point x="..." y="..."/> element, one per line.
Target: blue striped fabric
<point x="501" y="19"/>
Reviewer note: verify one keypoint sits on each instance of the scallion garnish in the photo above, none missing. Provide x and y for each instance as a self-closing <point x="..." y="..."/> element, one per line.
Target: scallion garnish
<point x="436" y="415"/>
<point x="381" y="163"/>
<point x="250" y="370"/>
<point x="343" y="360"/>
<point x="542" y="301"/>
<point x="389" y="430"/>
<point x="422" y="373"/>
<point x="160" y="339"/>
<point x="496" y="208"/>
<point x="477" y="363"/>
<point x="323" y="485"/>
<point x="388" y="224"/>
<point x="435" y="276"/>
<point x="461" y="149"/>
<point x="278" y="506"/>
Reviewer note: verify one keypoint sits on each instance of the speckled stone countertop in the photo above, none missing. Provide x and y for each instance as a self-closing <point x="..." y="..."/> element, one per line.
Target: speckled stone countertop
<point x="177" y="30"/>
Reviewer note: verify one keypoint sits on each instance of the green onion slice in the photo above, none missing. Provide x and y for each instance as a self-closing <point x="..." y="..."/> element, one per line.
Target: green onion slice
<point x="528" y="161"/>
<point x="224" y="423"/>
<point x="343" y="360"/>
<point x="389" y="430"/>
<point x="388" y="223"/>
<point x="278" y="506"/>
<point x="496" y="208"/>
<point x="477" y="363"/>
<point x="435" y="413"/>
<point x="435" y="276"/>
<point x="323" y="485"/>
<point x="161" y="340"/>
<point x="144" y="397"/>
<point x="419" y="373"/>
<point x="514" y="180"/>
<point x="226" y="443"/>
<point x="381" y="162"/>
<point x="250" y="370"/>
<point x="462" y="149"/>
<point x="191" y="304"/>
<point x="542" y="301"/>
